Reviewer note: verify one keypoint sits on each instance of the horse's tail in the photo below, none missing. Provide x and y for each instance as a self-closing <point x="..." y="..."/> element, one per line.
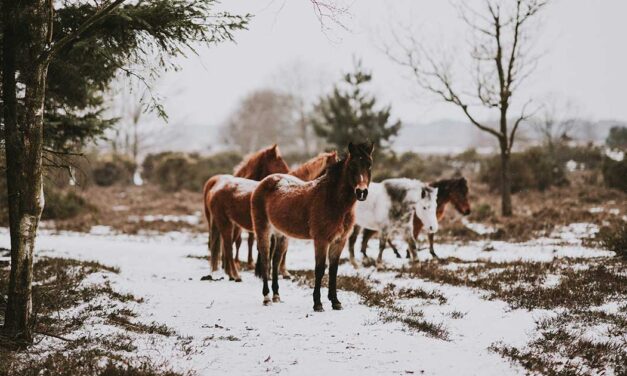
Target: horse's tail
<point x="213" y="241"/>
<point x="259" y="266"/>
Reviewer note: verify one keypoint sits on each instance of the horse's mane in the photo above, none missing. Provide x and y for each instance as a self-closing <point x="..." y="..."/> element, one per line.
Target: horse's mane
<point x="251" y="163"/>
<point x="314" y="167"/>
<point x="447" y="186"/>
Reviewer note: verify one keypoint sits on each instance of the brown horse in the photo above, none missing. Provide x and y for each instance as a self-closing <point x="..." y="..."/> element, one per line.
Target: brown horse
<point x="230" y="208"/>
<point x="453" y="191"/>
<point x="322" y="210"/>
<point x="310" y="170"/>
<point x="255" y="166"/>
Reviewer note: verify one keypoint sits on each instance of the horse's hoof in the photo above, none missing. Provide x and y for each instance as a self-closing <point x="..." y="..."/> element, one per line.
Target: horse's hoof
<point x="267" y="301"/>
<point x="287" y="276"/>
<point x="276" y="299"/>
<point x="209" y="277"/>
<point x="238" y="279"/>
<point x="337" y="306"/>
<point x="251" y="265"/>
<point x="318" y="307"/>
<point x="354" y="263"/>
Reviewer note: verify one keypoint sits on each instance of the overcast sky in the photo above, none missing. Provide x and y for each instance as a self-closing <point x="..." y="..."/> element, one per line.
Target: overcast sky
<point x="584" y="44"/>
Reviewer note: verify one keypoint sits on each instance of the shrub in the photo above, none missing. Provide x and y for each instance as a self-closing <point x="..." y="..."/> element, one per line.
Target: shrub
<point x="60" y="205"/>
<point x="534" y="168"/>
<point x="176" y="171"/>
<point x="113" y="170"/>
<point x="614" y="239"/>
<point x="617" y="138"/>
<point x="615" y="173"/>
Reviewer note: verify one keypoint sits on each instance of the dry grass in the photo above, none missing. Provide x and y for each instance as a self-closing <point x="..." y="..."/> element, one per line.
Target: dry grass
<point x="114" y="205"/>
<point x="64" y="304"/>
<point x="523" y="284"/>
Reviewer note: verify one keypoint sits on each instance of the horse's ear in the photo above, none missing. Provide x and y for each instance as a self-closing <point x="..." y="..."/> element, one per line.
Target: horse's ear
<point x="351" y="148"/>
<point x="275" y="149"/>
<point x="370" y="148"/>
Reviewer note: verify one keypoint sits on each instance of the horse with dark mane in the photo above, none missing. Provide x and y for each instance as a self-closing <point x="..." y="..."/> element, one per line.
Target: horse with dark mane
<point x="322" y="210"/>
<point x="255" y="166"/>
<point x="450" y="191"/>
<point x="309" y="170"/>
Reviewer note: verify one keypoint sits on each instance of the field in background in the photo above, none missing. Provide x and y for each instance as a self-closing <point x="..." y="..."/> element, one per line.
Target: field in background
<point x="538" y="292"/>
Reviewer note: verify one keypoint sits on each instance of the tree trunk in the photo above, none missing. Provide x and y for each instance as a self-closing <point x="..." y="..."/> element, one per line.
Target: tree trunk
<point x="506" y="185"/>
<point x="23" y="145"/>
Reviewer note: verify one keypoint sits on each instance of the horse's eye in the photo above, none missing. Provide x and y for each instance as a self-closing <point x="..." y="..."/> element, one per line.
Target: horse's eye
<point x="425" y="208"/>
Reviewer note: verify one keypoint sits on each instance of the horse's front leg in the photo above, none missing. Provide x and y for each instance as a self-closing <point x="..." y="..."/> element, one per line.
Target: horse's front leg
<point x="334" y="259"/>
<point x="321" y="248"/>
<point x="283" y="251"/>
<point x="251" y="241"/>
<point x="431" y="250"/>
<point x="351" y="245"/>
<point x="238" y="242"/>
<point x="411" y="247"/>
<point x="227" y="251"/>
<point x="383" y="238"/>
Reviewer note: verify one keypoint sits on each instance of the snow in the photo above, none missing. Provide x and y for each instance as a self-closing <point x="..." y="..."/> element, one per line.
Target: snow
<point x="193" y="219"/>
<point x="288" y="337"/>
<point x="479" y="228"/>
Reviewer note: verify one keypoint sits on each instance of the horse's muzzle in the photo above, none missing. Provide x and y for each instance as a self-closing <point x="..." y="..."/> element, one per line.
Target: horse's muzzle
<point x="361" y="194"/>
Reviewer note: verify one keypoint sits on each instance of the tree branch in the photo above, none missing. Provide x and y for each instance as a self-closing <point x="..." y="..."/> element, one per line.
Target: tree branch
<point x="92" y="20"/>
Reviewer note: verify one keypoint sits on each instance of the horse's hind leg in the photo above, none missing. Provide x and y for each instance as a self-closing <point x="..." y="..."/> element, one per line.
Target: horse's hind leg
<point x="251" y="241"/>
<point x="351" y="245"/>
<point x="394" y="249"/>
<point x="334" y="258"/>
<point x="262" y="233"/>
<point x="322" y="247"/>
<point x="277" y="254"/>
<point x="365" y="238"/>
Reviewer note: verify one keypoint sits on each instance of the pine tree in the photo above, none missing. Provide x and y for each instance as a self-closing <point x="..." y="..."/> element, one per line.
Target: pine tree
<point x="56" y="63"/>
<point x="349" y="114"/>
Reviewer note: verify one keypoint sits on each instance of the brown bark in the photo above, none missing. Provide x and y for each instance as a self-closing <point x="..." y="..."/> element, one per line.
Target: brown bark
<point x="23" y="138"/>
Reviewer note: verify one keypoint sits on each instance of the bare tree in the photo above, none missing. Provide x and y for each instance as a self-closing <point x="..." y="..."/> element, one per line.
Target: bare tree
<point x="305" y="85"/>
<point x="555" y="122"/>
<point x="264" y="117"/>
<point x="501" y="60"/>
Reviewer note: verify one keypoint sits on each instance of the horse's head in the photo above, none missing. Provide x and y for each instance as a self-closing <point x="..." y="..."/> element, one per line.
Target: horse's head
<point x="459" y="196"/>
<point x="426" y="208"/>
<point x="273" y="162"/>
<point x="359" y="163"/>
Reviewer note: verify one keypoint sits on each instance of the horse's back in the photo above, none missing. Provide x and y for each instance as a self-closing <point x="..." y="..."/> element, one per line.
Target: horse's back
<point x="372" y="213"/>
<point x="285" y="202"/>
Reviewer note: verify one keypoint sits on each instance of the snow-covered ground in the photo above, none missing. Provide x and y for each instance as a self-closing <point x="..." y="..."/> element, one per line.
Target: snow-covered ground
<point x="231" y="332"/>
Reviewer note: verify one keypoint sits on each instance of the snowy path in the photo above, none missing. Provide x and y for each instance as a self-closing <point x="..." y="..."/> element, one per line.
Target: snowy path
<point x="289" y="338"/>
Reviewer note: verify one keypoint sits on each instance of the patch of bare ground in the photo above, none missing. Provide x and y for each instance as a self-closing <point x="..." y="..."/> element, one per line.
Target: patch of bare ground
<point x="536" y="213"/>
<point x="125" y="209"/>
<point x="63" y="304"/>
<point x="385" y="300"/>
<point x="582" y="337"/>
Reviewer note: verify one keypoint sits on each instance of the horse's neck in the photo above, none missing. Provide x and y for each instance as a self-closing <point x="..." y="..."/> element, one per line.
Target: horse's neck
<point x="340" y="195"/>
